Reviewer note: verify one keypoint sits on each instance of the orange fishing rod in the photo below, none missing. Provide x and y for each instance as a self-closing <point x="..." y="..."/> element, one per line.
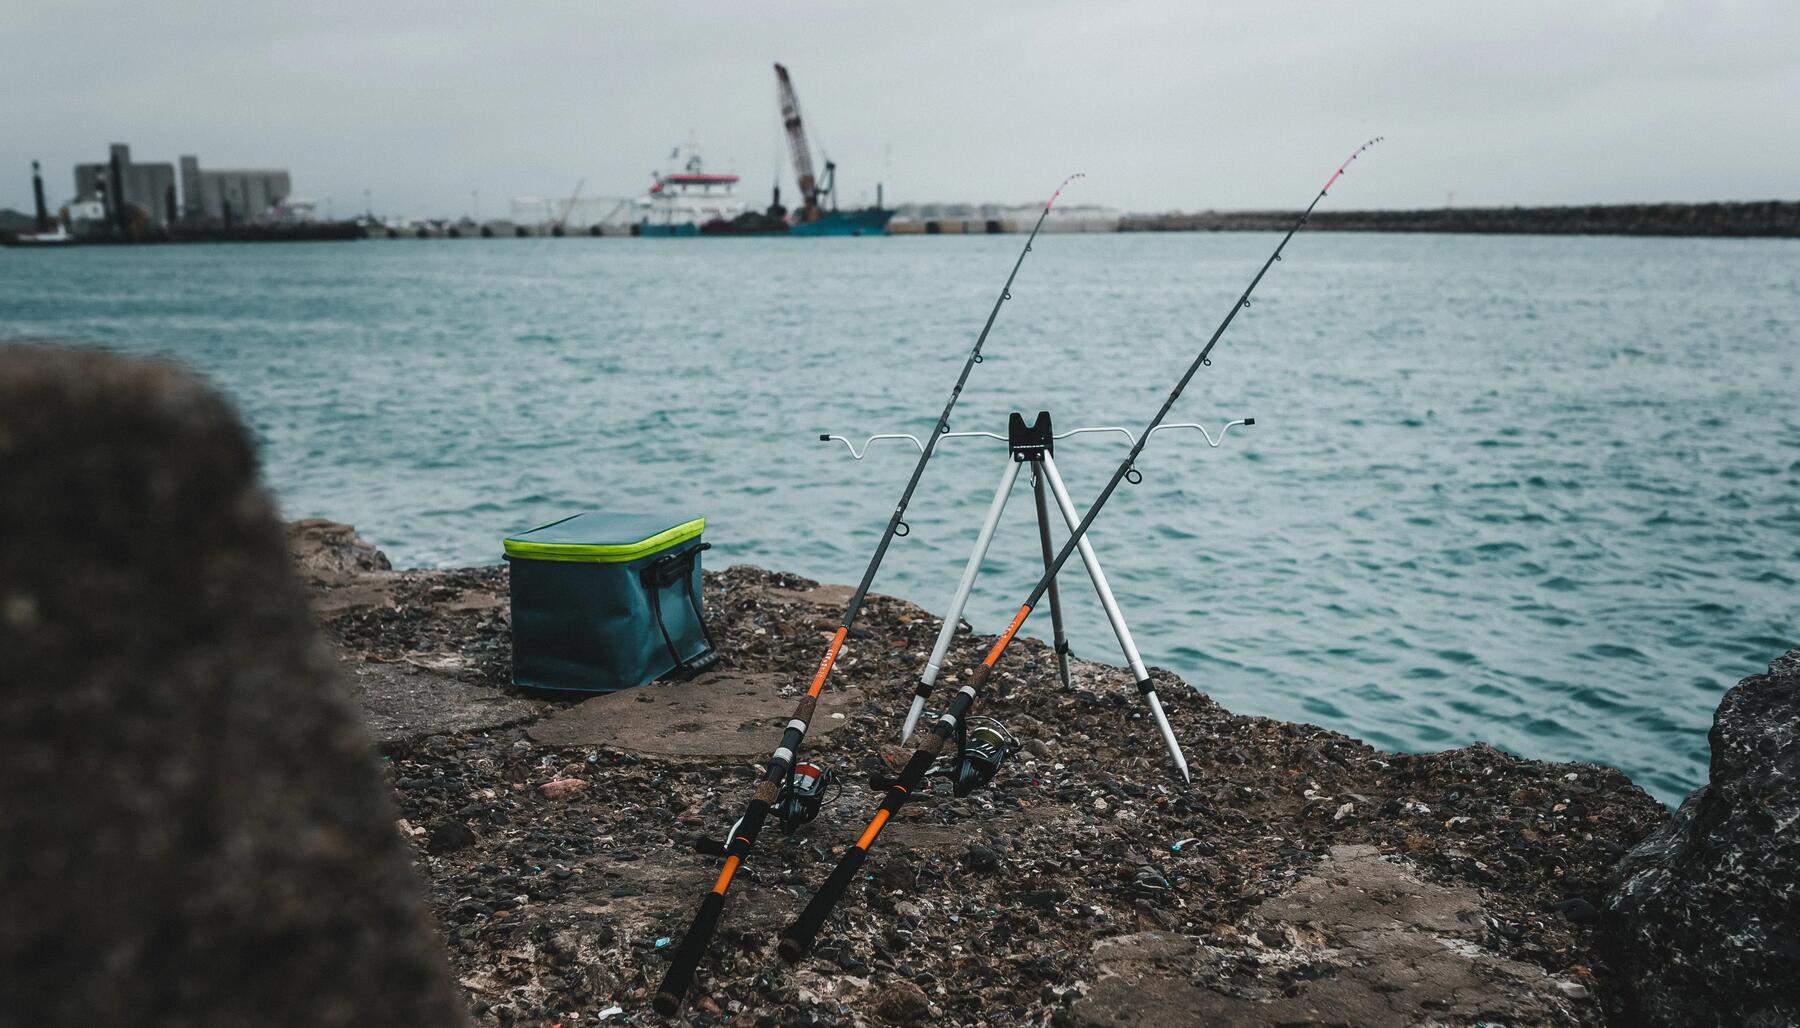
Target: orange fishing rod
<point x="797" y="938"/>
<point x="779" y="776"/>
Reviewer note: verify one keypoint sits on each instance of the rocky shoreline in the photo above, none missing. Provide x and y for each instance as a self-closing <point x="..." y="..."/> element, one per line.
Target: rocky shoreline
<point x="1304" y="877"/>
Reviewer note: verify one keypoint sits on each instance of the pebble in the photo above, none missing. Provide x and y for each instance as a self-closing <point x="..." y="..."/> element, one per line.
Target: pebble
<point x="902" y="1003"/>
<point x="562" y="788"/>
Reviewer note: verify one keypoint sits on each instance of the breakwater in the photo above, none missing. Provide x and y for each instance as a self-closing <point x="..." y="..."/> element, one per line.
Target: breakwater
<point x="1779" y="218"/>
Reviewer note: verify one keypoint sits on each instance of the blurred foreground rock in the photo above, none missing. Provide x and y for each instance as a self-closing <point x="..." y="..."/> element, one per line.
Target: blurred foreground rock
<point x="193" y="830"/>
<point x="1707" y="912"/>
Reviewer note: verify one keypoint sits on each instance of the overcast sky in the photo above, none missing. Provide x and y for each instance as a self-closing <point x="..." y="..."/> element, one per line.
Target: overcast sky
<point x="1174" y="104"/>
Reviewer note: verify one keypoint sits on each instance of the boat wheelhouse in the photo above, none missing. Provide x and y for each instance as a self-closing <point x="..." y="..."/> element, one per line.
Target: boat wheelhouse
<point x="680" y="201"/>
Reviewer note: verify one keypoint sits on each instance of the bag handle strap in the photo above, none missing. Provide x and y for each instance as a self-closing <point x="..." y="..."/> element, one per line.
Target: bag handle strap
<point x="658" y="575"/>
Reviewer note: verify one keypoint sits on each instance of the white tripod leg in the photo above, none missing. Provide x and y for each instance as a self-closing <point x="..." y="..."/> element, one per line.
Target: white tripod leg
<point x="953" y="616"/>
<point x="1126" y="644"/>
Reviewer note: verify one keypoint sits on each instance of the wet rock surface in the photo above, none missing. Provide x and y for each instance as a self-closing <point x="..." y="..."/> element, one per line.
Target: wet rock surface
<point x="193" y="830"/>
<point x="1300" y="873"/>
<point x="1706" y="917"/>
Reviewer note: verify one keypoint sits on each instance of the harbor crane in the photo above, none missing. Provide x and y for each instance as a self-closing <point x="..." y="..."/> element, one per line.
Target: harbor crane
<point x="813" y="191"/>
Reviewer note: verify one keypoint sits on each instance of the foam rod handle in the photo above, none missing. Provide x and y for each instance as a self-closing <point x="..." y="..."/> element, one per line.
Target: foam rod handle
<point x="797" y="938"/>
<point x="687" y="957"/>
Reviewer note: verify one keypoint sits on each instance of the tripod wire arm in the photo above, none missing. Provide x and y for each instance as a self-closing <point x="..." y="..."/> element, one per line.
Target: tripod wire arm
<point x="1214" y="441"/>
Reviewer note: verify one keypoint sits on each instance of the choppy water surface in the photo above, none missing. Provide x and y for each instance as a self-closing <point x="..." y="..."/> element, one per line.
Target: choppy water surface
<point x="1539" y="492"/>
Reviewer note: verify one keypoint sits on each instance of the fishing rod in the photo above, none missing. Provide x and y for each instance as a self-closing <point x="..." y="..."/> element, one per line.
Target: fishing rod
<point x="777" y="789"/>
<point x="797" y="938"/>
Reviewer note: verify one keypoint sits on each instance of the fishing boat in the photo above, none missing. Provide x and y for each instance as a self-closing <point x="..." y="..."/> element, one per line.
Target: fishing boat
<point x="682" y="200"/>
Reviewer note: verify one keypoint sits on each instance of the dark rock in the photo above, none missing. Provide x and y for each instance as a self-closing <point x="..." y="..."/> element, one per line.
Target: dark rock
<point x="1705" y="920"/>
<point x="327" y="553"/>
<point x="902" y="1002"/>
<point x="983" y="859"/>
<point x="449" y="837"/>
<point x="195" y="829"/>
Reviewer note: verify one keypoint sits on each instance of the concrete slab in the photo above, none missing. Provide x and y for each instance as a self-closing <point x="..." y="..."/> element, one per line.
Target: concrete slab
<point x="719" y="714"/>
<point x="825" y="597"/>
<point x="401" y="702"/>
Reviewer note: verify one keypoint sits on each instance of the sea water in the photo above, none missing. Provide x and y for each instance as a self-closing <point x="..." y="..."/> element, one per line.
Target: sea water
<point x="1539" y="492"/>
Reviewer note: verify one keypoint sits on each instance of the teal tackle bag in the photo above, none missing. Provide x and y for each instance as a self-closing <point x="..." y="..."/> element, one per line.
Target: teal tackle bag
<point x="603" y="602"/>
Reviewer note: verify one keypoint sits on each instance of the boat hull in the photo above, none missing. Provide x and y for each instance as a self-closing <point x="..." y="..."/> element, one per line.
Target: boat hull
<point x="669" y="230"/>
<point x="871" y="221"/>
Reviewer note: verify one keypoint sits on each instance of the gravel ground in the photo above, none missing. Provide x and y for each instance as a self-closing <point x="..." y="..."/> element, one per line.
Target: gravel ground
<point x="1303" y="877"/>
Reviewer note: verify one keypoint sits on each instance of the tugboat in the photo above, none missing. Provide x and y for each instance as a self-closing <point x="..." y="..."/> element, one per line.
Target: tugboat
<point x="680" y="202"/>
<point x="46" y="230"/>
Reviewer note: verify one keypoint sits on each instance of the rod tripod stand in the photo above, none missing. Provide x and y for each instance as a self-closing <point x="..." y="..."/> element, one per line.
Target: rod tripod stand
<point x="1032" y="445"/>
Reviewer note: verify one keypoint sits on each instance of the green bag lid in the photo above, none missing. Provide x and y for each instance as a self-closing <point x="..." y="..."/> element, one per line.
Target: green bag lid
<point x="603" y="538"/>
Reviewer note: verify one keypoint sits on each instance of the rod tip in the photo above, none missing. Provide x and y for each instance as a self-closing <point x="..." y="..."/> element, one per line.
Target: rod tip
<point x="790" y="949"/>
<point x="666" y="1003"/>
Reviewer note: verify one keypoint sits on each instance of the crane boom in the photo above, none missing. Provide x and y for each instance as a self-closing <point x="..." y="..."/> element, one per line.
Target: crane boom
<point x="569" y="208"/>
<point x="802" y="154"/>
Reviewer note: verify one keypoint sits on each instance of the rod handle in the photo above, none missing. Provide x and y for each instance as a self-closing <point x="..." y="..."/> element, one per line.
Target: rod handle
<point x="797" y="938"/>
<point x="687" y="956"/>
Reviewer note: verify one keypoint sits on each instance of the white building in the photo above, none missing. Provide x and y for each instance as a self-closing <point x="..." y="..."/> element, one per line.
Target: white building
<point x="248" y="193"/>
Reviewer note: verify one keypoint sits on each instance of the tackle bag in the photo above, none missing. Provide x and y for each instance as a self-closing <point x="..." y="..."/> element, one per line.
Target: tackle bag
<point x="604" y="601"/>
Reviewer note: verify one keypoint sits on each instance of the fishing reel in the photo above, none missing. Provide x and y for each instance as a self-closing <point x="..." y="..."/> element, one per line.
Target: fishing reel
<point x="802" y="795"/>
<point x="982" y="745"/>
